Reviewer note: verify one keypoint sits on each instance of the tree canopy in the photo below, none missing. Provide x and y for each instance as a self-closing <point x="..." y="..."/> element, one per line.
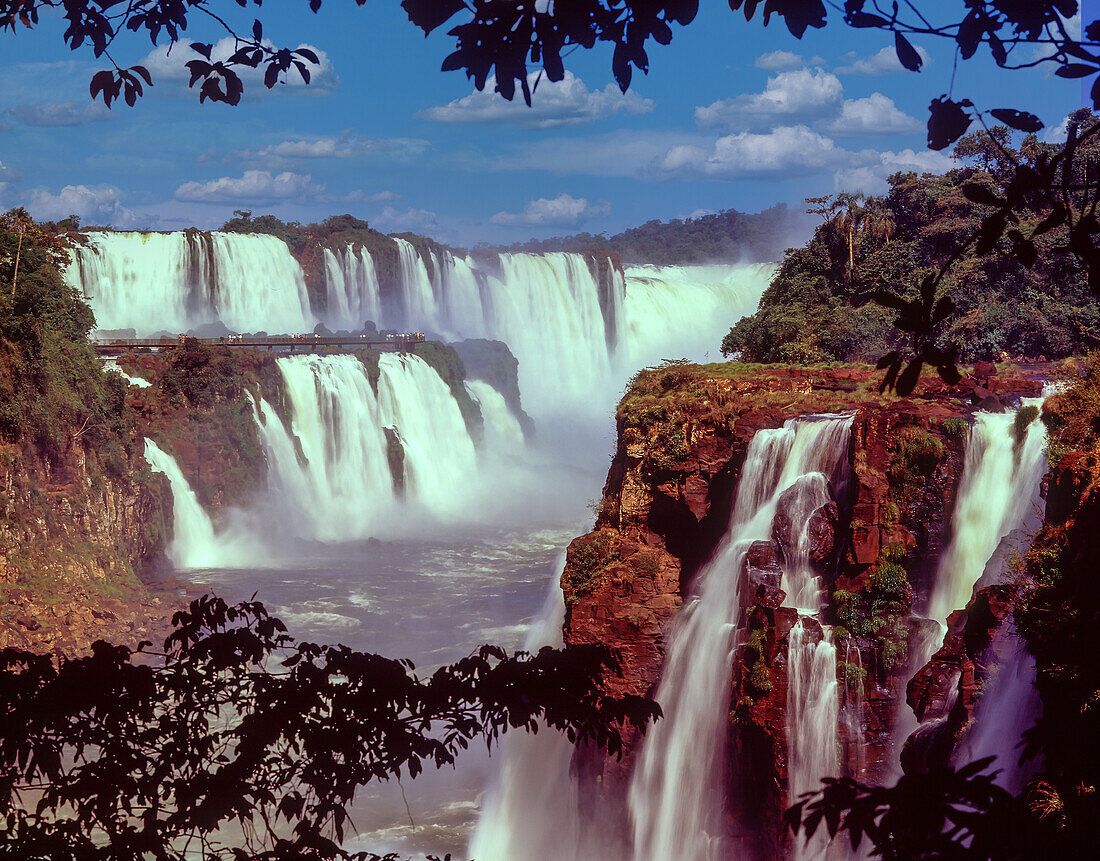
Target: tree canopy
<point x="237" y="742"/>
<point x="821" y="306"/>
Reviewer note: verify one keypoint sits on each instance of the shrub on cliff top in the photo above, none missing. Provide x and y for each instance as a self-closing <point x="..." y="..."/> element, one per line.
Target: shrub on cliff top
<point x="1072" y="415"/>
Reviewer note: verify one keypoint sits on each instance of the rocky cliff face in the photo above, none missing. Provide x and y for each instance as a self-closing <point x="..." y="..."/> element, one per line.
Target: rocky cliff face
<point x="79" y="536"/>
<point x="683" y="435"/>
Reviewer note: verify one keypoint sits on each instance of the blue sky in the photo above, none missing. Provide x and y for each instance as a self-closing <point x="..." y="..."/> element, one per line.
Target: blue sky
<point x="730" y="115"/>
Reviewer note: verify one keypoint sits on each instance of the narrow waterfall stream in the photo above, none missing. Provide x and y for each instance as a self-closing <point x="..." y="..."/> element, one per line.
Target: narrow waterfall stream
<point x="193" y="543"/>
<point x="998" y="494"/>
<point x="676" y="795"/>
<point x="999" y="484"/>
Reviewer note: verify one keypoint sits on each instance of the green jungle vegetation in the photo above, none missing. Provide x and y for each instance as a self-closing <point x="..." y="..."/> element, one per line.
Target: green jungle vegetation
<point x="723" y="236"/>
<point x="820" y="305"/>
<point x="52" y="387"/>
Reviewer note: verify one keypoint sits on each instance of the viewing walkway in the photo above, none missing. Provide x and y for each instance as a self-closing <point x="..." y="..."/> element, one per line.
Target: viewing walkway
<point x="402" y="343"/>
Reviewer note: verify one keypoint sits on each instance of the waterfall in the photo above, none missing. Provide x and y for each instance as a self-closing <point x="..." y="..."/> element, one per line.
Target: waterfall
<point x="812" y="716"/>
<point x="533" y="810"/>
<point x="153" y="282"/>
<point x="999" y="481"/>
<point x="1009" y="707"/>
<point x="193" y="544"/>
<point x="674" y="311"/>
<point x="503" y="432"/>
<point x="997" y="494"/>
<point x="677" y="790"/>
<point x="578" y="326"/>
<point x="331" y="466"/>
<point x="577" y="334"/>
<point x="112" y="365"/>
<point x="352" y="293"/>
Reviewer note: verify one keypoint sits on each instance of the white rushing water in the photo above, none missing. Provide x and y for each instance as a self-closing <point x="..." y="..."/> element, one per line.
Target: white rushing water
<point x="330" y="469"/>
<point x="193" y="543"/>
<point x="175" y="281"/>
<point x="533" y="809"/>
<point x="998" y="496"/>
<point x="503" y="432"/>
<point x="998" y="486"/>
<point x="676" y="795"/>
<point x="112" y="365"/>
<point x="578" y="329"/>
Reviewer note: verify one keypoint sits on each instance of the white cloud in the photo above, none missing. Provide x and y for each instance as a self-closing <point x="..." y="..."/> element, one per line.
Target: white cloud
<point x="342" y="146"/>
<point x="254" y="186"/>
<point x="1057" y="134"/>
<point x="53" y="114"/>
<point x="884" y="62"/>
<point x="787" y="150"/>
<point x="93" y="205"/>
<point x="394" y="221"/>
<point x="560" y="211"/>
<point x="779" y="61"/>
<point x="7" y="172"/>
<point x="870" y="177"/>
<point x="168" y="64"/>
<point x="788" y="96"/>
<point x="874" y="115"/>
<point x="563" y="103"/>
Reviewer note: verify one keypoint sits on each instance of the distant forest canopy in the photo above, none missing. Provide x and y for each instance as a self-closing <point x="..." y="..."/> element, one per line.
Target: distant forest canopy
<point x="819" y="306"/>
<point x="726" y="236"/>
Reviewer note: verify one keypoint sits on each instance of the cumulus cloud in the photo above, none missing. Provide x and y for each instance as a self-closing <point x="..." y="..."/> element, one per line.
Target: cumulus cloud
<point x="166" y="63"/>
<point x="874" y="115"/>
<point x="883" y="62"/>
<point x="786" y="150"/>
<point x="788" y="96"/>
<point x="870" y="177"/>
<point x="342" y="146"/>
<point x="780" y="61"/>
<point x="93" y="205"/>
<point x="254" y="186"/>
<point x="563" y="103"/>
<point x="560" y="211"/>
<point x="54" y="114"/>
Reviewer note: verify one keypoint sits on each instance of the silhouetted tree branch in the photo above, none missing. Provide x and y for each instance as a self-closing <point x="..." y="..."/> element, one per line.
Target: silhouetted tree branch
<point x="239" y="740"/>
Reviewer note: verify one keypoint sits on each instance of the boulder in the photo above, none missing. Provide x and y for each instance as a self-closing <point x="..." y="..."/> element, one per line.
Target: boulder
<point x="821" y="532"/>
<point x="984" y="370"/>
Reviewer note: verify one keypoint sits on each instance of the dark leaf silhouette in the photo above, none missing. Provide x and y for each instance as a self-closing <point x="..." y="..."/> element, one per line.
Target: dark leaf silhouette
<point x="1020" y="120"/>
<point x="239" y="725"/>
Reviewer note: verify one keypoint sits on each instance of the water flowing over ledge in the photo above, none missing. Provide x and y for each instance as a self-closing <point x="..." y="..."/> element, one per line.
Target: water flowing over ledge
<point x="578" y="325"/>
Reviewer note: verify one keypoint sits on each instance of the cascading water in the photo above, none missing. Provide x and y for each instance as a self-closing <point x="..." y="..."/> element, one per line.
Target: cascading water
<point x="193" y="543"/>
<point x="998" y="490"/>
<point x="676" y="793"/>
<point x="1009" y="707"/>
<point x="151" y="282"/>
<point x="503" y="432"/>
<point x="352" y="292"/>
<point x="999" y="482"/>
<point x="577" y="326"/>
<point x="112" y="365"/>
<point x="532" y="812"/>
<point x="332" y="466"/>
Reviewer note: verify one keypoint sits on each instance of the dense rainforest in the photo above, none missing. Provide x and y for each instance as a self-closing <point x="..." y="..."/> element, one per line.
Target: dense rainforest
<point x="820" y="305"/>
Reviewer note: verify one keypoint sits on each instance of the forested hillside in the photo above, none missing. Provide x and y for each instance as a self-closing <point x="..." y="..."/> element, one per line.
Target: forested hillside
<point x="726" y="236"/>
<point x="820" y="305"/>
